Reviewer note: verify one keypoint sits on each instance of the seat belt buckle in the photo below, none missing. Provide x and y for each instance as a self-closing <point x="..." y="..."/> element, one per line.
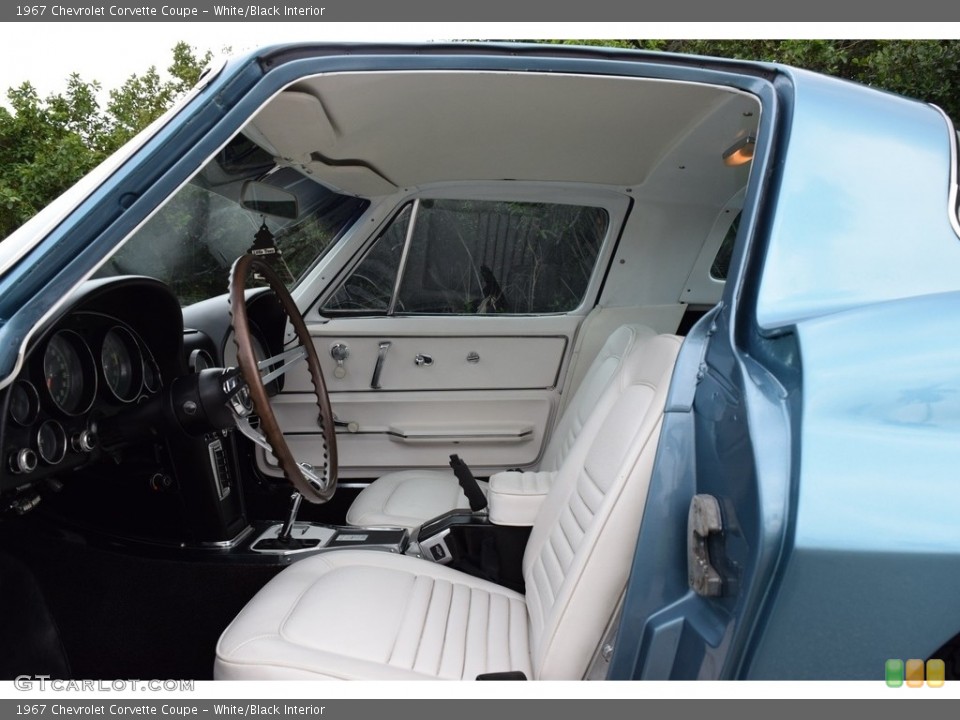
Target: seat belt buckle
<point x="435" y="548"/>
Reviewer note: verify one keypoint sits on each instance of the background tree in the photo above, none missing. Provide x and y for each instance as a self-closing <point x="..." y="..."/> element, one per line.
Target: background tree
<point x="47" y="144"/>
<point x="928" y="70"/>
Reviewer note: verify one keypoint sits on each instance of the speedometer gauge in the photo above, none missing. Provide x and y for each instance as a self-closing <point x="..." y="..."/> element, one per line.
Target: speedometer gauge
<point x="121" y="363"/>
<point x="68" y="372"/>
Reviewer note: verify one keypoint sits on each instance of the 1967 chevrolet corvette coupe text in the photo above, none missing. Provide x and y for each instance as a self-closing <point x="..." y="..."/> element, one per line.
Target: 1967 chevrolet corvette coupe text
<point x="489" y="361"/>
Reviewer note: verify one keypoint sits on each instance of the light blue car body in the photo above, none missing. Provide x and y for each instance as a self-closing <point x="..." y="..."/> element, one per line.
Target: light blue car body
<point x="819" y="402"/>
<point x="826" y="414"/>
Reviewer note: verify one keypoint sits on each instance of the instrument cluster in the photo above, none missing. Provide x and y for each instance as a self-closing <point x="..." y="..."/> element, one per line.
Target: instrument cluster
<point x="89" y="370"/>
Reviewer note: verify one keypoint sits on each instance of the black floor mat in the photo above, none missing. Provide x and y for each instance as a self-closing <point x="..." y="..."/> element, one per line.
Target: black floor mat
<point x="29" y="636"/>
<point x="130" y="616"/>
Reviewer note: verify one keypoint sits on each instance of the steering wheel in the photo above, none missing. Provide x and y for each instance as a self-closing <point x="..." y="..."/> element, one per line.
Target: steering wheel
<point x="315" y="484"/>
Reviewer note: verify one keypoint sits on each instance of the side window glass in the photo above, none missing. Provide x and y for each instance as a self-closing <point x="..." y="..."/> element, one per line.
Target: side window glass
<point x="370" y="287"/>
<point x="721" y="263"/>
<point x="482" y="257"/>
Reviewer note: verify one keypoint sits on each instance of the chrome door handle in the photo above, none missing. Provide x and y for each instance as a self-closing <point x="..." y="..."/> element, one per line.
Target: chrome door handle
<point x="378" y="368"/>
<point x="703" y="520"/>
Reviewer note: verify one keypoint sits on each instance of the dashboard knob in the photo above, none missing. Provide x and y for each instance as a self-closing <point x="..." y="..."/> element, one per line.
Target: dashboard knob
<point x="84" y="441"/>
<point x="23" y="461"/>
<point x="160" y="482"/>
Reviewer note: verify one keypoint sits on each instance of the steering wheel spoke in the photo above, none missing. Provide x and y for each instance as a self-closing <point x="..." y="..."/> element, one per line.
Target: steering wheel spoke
<point x="247" y="429"/>
<point x="316" y="484"/>
<point x="273" y="367"/>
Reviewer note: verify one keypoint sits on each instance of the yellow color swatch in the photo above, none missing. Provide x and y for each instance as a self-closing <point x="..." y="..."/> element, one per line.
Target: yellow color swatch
<point x="936" y="672"/>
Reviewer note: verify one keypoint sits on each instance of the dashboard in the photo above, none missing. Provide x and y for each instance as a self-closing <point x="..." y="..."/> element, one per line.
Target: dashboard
<point x="115" y="345"/>
<point x="92" y="428"/>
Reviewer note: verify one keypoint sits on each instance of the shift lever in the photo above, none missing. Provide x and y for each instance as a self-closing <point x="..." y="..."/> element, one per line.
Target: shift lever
<point x="284" y="541"/>
<point x="284" y="535"/>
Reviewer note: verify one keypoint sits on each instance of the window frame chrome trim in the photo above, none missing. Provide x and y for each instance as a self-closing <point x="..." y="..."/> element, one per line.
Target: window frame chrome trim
<point x="953" y="201"/>
<point x="401" y="268"/>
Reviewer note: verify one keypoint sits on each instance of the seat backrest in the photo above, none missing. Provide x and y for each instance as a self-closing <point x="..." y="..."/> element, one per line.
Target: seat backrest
<point x="579" y="552"/>
<point x="601" y="373"/>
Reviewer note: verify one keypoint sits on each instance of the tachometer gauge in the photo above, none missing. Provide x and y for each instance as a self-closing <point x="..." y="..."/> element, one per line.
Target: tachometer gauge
<point x="69" y="373"/>
<point x="121" y="363"/>
<point x="24" y="403"/>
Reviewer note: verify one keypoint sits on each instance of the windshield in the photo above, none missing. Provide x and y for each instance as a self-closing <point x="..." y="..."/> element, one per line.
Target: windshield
<point x="192" y="241"/>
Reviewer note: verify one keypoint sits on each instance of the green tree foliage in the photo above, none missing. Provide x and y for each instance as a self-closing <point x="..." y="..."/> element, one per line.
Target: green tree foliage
<point x="928" y="70"/>
<point x="47" y="144"/>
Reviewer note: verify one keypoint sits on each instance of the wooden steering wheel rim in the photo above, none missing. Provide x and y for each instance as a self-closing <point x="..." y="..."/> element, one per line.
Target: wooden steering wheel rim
<point x="247" y="362"/>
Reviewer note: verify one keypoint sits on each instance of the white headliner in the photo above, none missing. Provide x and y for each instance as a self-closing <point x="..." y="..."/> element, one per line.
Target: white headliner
<point x="372" y="133"/>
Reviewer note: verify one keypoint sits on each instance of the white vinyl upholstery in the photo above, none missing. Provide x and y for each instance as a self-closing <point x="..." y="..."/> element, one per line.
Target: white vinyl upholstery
<point x="377" y="616"/>
<point x="578" y="556"/>
<point x="408" y="498"/>
<point x="363" y="614"/>
<point x="411" y="497"/>
<point x="515" y="497"/>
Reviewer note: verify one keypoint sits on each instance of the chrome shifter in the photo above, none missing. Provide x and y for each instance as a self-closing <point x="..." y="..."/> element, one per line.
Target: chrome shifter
<point x="284" y="534"/>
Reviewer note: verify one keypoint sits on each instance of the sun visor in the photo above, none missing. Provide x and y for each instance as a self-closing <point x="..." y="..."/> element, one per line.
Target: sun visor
<point x="295" y="126"/>
<point x="349" y="177"/>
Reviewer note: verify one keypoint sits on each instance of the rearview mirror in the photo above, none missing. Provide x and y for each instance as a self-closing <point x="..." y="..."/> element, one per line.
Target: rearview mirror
<point x="269" y="200"/>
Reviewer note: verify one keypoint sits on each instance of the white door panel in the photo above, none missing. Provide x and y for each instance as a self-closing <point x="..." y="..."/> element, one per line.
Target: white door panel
<point x="454" y="317"/>
<point x="495" y="411"/>
<point x="446" y="363"/>
<point x="491" y="430"/>
<point x="512" y="352"/>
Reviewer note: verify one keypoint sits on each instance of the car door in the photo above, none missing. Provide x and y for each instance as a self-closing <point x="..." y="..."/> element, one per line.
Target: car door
<point x="449" y="327"/>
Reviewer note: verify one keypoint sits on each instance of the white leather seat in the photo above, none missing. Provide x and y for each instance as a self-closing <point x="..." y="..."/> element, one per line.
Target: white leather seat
<point x="372" y="615"/>
<point x="411" y="497"/>
<point x="363" y="614"/>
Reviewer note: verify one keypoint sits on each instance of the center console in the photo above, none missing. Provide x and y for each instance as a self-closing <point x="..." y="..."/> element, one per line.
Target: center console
<point x="311" y="537"/>
<point x="471" y="543"/>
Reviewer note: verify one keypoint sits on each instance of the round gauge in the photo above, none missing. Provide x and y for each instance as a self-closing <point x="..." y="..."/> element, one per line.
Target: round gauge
<point x="151" y="374"/>
<point x="69" y="373"/>
<point x="121" y="363"/>
<point x="51" y="442"/>
<point x="200" y="360"/>
<point x="24" y="403"/>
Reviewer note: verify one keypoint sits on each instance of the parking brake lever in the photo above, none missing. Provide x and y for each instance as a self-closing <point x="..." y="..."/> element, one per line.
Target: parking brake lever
<point x="478" y="501"/>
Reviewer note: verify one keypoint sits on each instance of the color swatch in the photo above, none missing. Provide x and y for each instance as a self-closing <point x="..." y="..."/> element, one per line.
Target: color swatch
<point x="914" y="672"/>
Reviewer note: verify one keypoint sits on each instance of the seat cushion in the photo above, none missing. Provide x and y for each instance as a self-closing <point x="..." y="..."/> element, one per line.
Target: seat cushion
<point x="362" y="614"/>
<point x="408" y="498"/>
